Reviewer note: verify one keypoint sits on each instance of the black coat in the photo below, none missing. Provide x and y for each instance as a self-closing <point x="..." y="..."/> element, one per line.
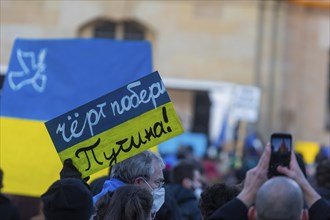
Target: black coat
<point x="169" y="210"/>
<point x="187" y="202"/>
<point x="236" y="210"/>
<point x="324" y="193"/>
<point x="7" y="210"/>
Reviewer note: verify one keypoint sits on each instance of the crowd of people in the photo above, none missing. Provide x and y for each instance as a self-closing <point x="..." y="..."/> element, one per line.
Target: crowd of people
<point x="143" y="187"/>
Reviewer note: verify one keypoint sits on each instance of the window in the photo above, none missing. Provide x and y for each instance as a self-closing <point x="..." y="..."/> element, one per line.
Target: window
<point x="119" y="30"/>
<point x="105" y="29"/>
<point x="133" y="31"/>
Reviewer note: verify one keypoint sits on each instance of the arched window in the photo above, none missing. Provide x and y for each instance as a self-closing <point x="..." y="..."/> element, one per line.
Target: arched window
<point x="105" y="29"/>
<point x="133" y="31"/>
<point x="119" y="30"/>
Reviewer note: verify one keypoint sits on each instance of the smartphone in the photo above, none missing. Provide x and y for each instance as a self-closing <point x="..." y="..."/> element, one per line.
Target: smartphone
<point x="281" y="147"/>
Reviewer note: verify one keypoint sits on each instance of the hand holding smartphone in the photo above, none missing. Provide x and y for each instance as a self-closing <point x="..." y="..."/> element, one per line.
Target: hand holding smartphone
<point x="281" y="147"/>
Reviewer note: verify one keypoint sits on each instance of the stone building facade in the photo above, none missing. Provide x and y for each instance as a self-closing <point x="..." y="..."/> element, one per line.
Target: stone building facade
<point x="282" y="47"/>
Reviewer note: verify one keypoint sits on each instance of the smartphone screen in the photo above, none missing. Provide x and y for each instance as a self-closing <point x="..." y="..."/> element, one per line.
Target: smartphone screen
<point x="281" y="146"/>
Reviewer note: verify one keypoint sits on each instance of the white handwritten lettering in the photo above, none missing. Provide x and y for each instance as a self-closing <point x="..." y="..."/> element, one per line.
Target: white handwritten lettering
<point x="92" y="118"/>
<point x="134" y="100"/>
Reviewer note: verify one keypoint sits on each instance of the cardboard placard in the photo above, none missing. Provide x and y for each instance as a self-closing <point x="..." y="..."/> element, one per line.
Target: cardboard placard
<point x="116" y="126"/>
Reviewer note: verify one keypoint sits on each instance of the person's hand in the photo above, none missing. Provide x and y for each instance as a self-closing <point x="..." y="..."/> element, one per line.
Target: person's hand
<point x="255" y="178"/>
<point x="70" y="171"/>
<point x="295" y="173"/>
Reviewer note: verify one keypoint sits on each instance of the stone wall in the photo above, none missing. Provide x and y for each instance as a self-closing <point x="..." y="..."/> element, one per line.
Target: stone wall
<point x="211" y="40"/>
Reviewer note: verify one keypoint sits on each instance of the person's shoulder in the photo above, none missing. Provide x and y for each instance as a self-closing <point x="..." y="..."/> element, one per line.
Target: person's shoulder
<point x="8" y="208"/>
<point x="323" y="191"/>
<point x="234" y="209"/>
<point x="4" y="199"/>
<point x="97" y="184"/>
<point x="187" y="199"/>
<point x="319" y="210"/>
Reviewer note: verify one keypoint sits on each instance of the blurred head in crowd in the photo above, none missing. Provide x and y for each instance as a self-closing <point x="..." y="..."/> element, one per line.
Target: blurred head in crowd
<point x="128" y="202"/>
<point x="216" y="196"/>
<point x="323" y="174"/>
<point x="278" y="198"/>
<point x="68" y="198"/>
<point x="185" y="152"/>
<point x="187" y="174"/>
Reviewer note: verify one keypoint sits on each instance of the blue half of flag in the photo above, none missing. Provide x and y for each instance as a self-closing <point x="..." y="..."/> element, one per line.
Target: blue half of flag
<point x="46" y="78"/>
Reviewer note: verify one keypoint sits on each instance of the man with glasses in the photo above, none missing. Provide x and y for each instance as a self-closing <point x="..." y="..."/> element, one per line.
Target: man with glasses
<point x="143" y="169"/>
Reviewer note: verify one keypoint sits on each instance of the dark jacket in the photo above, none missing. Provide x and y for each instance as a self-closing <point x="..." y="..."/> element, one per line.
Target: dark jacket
<point x="233" y="210"/>
<point x="8" y="211"/>
<point x="169" y="210"/>
<point x="97" y="184"/>
<point x="236" y="210"/>
<point x="324" y="193"/>
<point x="187" y="202"/>
<point x="320" y="210"/>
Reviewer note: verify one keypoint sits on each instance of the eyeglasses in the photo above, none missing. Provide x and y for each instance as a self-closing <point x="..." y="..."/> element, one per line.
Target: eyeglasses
<point x="159" y="183"/>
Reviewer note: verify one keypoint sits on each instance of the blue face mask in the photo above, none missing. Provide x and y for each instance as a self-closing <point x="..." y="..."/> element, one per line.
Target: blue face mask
<point x="198" y="191"/>
<point x="158" y="196"/>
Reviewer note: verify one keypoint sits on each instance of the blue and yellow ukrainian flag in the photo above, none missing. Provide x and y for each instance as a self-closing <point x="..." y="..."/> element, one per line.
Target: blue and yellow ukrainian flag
<point x="46" y="78"/>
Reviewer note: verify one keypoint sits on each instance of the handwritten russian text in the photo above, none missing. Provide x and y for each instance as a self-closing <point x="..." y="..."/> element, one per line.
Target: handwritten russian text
<point x="134" y="100"/>
<point x="92" y="118"/>
<point x="157" y="130"/>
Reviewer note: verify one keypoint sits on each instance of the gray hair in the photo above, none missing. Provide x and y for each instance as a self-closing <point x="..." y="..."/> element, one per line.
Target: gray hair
<point x="140" y="165"/>
<point x="279" y="198"/>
